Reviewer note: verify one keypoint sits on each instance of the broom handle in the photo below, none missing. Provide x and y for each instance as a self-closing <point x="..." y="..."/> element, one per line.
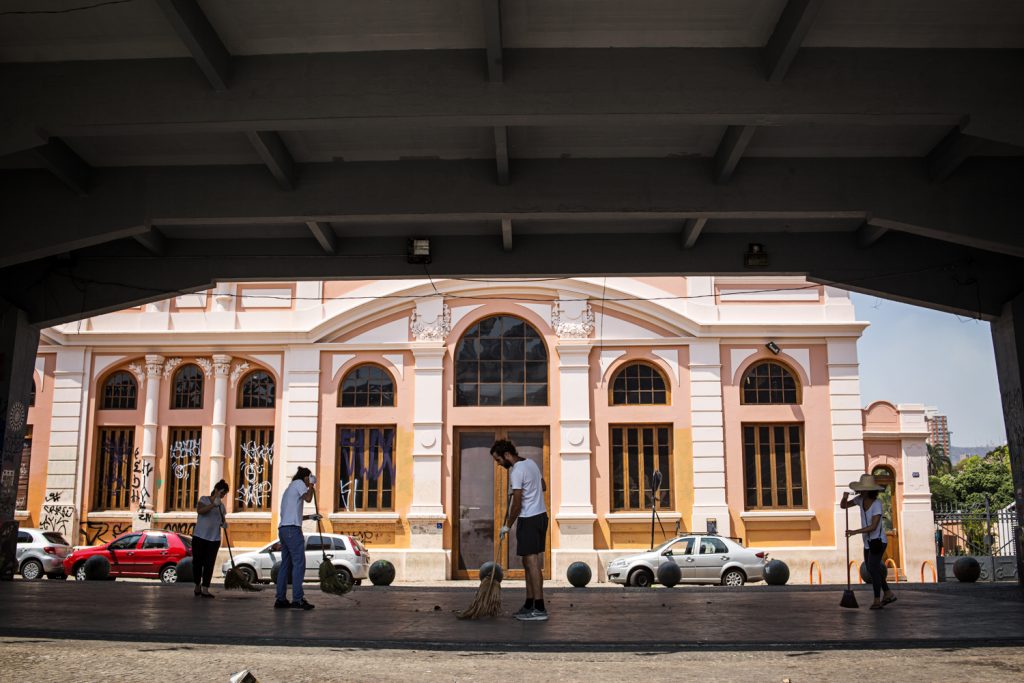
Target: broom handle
<point x="228" y="542"/>
<point x="847" y="511"/>
<point x="318" y="529"/>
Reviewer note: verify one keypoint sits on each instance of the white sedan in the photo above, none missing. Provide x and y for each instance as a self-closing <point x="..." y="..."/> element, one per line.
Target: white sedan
<point x="701" y="558"/>
<point x="346" y="553"/>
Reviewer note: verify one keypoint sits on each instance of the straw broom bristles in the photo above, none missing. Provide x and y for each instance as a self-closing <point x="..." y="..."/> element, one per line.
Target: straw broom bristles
<point x="331" y="581"/>
<point x="487" y="602"/>
<point x="235" y="579"/>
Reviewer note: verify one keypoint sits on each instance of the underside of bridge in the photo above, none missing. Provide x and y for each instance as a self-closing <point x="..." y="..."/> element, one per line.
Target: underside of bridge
<point x="150" y="147"/>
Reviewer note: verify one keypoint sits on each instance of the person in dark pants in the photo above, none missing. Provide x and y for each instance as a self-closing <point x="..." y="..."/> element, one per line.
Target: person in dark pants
<point x="206" y="537"/>
<point x="875" y="539"/>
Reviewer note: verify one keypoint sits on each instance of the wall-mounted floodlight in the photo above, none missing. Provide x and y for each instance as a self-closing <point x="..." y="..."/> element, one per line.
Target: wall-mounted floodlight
<point x="419" y="251"/>
<point x="756" y="256"/>
<point x="773" y="347"/>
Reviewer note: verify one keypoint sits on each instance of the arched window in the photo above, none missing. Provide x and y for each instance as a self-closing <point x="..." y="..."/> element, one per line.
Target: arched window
<point x="639" y="384"/>
<point x="120" y="391"/>
<point x="367" y="386"/>
<point x="769" y="382"/>
<point x="32" y="395"/>
<point x="501" y="361"/>
<point x="188" y="388"/>
<point x="257" y="390"/>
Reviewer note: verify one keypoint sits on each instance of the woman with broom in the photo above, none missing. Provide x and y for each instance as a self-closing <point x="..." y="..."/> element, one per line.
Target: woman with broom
<point x="874" y="534"/>
<point x="293" y="543"/>
<point x="206" y="537"/>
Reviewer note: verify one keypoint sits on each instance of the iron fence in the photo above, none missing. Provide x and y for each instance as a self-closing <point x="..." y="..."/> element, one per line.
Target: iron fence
<point x="976" y="530"/>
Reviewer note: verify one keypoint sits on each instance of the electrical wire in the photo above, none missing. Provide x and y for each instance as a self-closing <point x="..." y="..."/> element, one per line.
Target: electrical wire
<point x="67" y="10"/>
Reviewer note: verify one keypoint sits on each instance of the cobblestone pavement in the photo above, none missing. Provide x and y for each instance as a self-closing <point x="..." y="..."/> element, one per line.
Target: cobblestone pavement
<point x="69" y="661"/>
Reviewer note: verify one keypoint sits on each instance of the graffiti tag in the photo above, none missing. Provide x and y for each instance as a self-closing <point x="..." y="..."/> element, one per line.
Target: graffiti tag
<point x="94" y="533"/>
<point x="185" y="455"/>
<point x="57" y="518"/>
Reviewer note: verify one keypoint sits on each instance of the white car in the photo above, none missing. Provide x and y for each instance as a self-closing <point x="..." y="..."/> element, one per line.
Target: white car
<point x="346" y="553"/>
<point x="702" y="558"/>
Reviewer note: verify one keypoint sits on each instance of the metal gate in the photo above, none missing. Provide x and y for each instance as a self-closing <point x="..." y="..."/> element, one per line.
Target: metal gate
<point x="980" y="532"/>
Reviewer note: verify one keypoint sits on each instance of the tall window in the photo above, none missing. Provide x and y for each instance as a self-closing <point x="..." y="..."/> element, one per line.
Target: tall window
<point x="639" y="384"/>
<point x="366" y="468"/>
<point x="769" y="382"/>
<point x="21" y="499"/>
<point x="638" y="451"/>
<point x="120" y="391"/>
<point x="255" y="458"/>
<point x="367" y="386"/>
<point x="115" y="456"/>
<point x="32" y="394"/>
<point x="501" y="361"/>
<point x="773" y="466"/>
<point x="183" y="458"/>
<point x="257" y="390"/>
<point x="188" y="387"/>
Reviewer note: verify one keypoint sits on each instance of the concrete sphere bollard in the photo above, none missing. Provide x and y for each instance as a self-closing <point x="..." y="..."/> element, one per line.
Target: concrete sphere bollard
<point x="487" y="567"/>
<point x="382" y="573"/>
<point x="967" y="569"/>
<point x="669" y="574"/>
<point x="865" y="575"/>
<point x="274" y="571"/>
<point x="776" y="573"/>
<point x="97" y="568"/>
<point x="579" y="574"/>
<point x="184" y="568"/>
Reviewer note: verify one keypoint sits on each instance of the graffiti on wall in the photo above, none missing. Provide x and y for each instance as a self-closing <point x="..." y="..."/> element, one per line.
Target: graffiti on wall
<point x="366" y="455"/>
<point x="187" y="528"/>
<point x="141" y="471"/>
<point x="185" y="454"/>
<point x="95" y="533"/>
<point x="255" y="487"/>
<point x="55" y="516"/>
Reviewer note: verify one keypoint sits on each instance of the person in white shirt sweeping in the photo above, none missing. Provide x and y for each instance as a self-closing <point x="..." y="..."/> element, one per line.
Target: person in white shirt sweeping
<point x="875" y="539"/>
<point x="293" y="544"/>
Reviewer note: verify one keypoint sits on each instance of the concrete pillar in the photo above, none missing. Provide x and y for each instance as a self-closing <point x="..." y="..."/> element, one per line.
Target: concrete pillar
<point x="1008" y="340"/>
<point x="144" y="467"/>
<point x="18" y="344"/>
<point x="709" y="499"/>
<point x="221" y="369"/>
<point x="847" y="439"/>
<point x="66" y="451"/>
<point x="916" y="521"/>
<point x="297" y="444"/>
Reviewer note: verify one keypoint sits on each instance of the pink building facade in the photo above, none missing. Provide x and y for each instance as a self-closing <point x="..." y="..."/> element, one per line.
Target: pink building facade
<point x="392" y="392"/>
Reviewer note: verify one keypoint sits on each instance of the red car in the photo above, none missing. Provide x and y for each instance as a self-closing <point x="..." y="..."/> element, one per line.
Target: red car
<point x="146" y="554"/>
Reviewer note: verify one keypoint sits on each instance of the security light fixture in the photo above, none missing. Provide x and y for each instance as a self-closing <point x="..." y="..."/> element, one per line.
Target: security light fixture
<point x="756" y="256"/>
<point x="419" y="251"/>
<point x="773" y="347"/>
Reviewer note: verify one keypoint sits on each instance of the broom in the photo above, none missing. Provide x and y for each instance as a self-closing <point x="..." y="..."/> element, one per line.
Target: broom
<point x="330" y="581"/>
<point x="487" y="602"/>
<point x="849" y="599"/>
<point x="235" y="579"/>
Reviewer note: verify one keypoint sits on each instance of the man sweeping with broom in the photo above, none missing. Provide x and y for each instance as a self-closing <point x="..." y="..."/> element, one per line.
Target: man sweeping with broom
<point x="293" y="543"/>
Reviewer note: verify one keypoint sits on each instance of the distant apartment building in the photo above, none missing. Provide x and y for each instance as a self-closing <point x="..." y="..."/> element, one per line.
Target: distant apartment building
<point x="938" y="430"/>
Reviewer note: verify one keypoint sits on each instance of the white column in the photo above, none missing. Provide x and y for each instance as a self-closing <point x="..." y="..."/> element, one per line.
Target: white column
<point x="144" y="469"/>
<point x="297" y="445"/>
<point x="916" y="520"/>
<point x="427" y="508"/>
<point x="221" y="369"/>
<point x="62" y="509"/>
<point x="847" y="428"/>
<point x="575" y="513"/>
<point x="707" y="428"/>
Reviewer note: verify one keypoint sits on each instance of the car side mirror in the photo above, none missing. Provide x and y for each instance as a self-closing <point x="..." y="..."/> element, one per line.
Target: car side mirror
<point x="667" y="553"/>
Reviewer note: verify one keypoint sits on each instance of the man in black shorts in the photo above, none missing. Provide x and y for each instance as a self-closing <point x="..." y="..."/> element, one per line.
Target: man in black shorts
<point x="527" y="508"/>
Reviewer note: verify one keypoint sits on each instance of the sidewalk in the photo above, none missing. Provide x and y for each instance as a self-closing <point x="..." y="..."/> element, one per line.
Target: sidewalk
<point x="415" y="617"/>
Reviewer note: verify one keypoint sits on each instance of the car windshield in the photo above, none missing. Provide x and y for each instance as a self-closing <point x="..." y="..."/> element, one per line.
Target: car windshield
<point x="54" y="537"/>
<point x="186" y="541"/>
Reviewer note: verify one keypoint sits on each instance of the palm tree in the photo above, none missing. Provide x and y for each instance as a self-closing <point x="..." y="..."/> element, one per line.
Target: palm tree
<point x="938" y="461"/>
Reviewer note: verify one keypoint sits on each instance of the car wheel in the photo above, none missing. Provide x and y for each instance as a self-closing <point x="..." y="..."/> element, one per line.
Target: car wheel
<point x="733" y="577"/>
<point x="248" y="572"/>
<point x="169" y="574"/>
<point x="79" y="571"/>
<point x="32" y="570"/>
<point x="641" y="578"/>
<point x="344" y="574"/>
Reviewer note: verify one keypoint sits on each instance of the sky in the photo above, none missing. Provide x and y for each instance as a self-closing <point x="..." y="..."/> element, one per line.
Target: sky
<point x="915" y="355"/>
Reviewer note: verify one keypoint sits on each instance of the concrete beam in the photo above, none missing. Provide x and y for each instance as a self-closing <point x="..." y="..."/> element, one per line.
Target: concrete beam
<point x="201" y="39"/>
<point x="691" y="231"/>
<point x="795" y="21"/>
<point x="324" y="235"/>
<point x="868" y="234"/>
<point x="66" y="165"/>
<point x="501" y="154"/>
<point x="154" y="241"/>
<point x="730" y="150"/>
<point x="492" y="33"/>
<point x="551" y="87"/>
<point x="506" y="234"/>
<point x="275" y="156"/>
<point x="952" y="151"/>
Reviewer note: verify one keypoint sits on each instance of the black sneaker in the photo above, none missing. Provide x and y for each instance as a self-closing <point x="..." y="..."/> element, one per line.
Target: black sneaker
<point x="522" y="610"/>
<point x="534" y="615"/>
<point x="302" y="605"/>
<point x="281" y="604"/>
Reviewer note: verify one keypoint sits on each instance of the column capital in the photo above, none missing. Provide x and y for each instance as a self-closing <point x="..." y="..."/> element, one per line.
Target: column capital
<point x="221" y="364"/>
<point x="154" y="365"/>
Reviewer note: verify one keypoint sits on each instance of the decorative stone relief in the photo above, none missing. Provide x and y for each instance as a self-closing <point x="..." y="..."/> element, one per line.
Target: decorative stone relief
<point x="169" y="366"/>
<point x="580" y="326"/>
<point x="238" y="371"/>
<point x="432" y="330"/>
<point x="207" y="365"/>
<point x="137" y="370"/>
<point x="222" y="365"/>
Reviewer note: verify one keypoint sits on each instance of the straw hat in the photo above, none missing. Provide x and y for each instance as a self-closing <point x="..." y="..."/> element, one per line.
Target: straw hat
<point x="866" y="483"/>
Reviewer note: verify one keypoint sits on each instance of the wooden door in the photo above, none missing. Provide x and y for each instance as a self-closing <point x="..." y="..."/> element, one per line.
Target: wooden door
<point x="890" y="514"/>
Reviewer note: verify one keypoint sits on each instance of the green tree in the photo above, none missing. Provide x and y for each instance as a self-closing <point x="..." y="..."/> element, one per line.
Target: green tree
<point x="938" y="461"/>
<point x="975" y="477"/>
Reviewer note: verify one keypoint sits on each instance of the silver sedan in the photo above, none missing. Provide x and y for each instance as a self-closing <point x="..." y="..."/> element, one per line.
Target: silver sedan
<point x="701" y="559"/>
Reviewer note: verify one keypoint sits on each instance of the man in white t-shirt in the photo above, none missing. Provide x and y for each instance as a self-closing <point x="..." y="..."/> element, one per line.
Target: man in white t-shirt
<point x="293" y="541"/>
<point x="528" y="512"/>
<point x="875" y="539"/>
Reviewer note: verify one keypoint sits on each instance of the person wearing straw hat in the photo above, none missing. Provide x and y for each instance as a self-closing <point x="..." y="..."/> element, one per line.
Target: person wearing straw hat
<point x="293" y="543"/>
<point x="873" y="529"/>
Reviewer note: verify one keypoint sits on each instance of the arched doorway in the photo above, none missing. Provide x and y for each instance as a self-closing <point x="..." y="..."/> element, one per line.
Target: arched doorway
<point x="887" y="478"/>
